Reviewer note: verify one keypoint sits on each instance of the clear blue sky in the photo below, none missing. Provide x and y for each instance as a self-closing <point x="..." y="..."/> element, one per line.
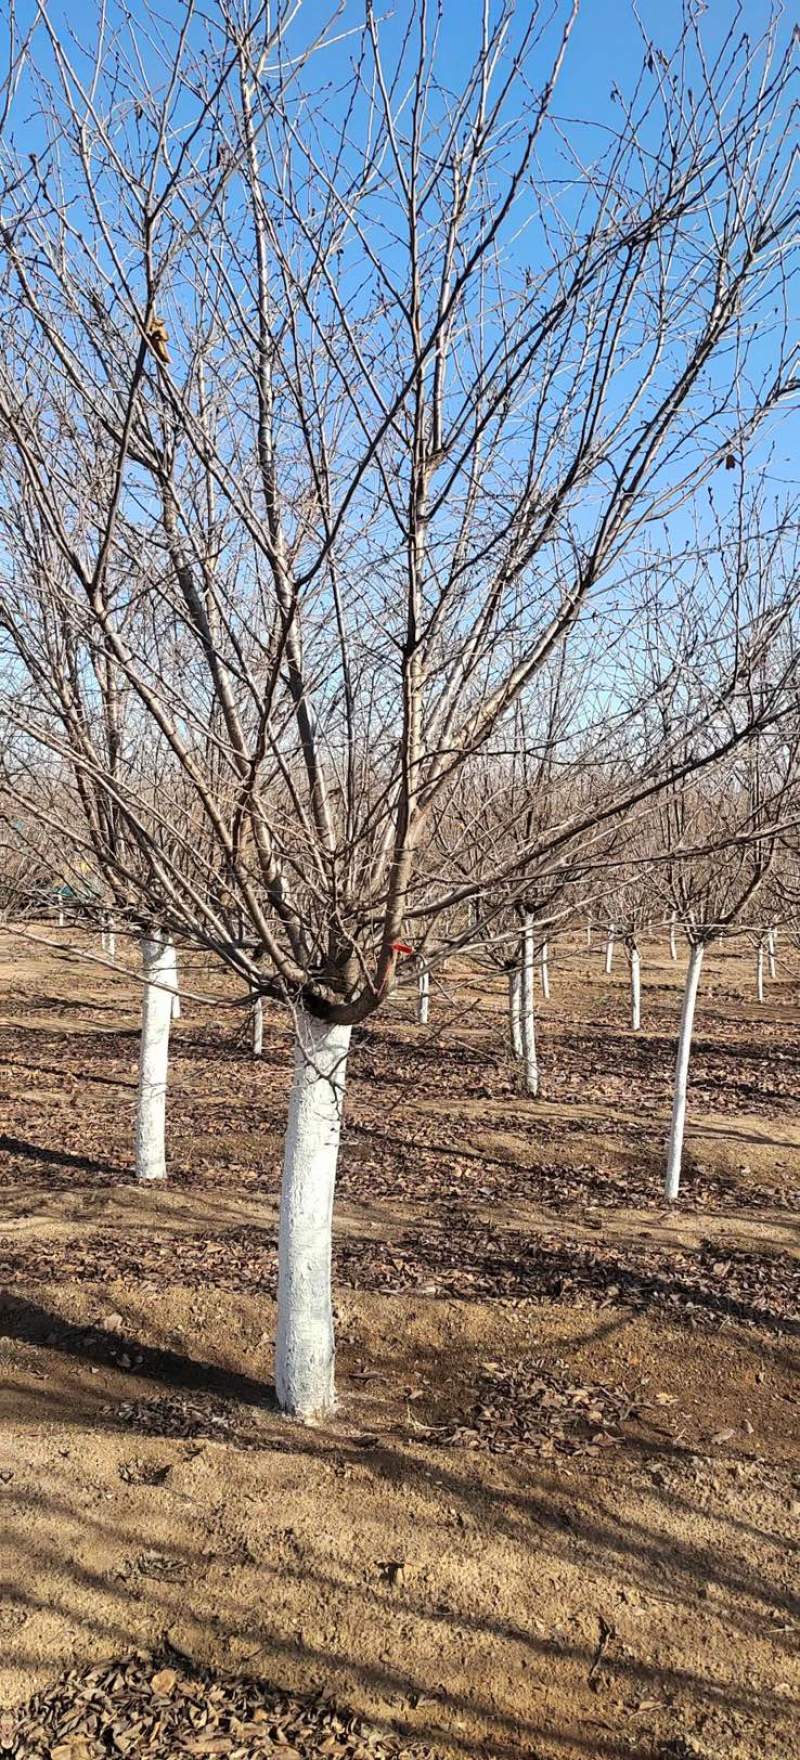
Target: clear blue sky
<point x="605" y="52"/>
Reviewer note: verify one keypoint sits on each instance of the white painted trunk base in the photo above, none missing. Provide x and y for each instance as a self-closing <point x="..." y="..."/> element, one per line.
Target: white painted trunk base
<point x="258" y="1026"/>
<point x="176" y="993"/>
<point x="609" y="951"/>
<point x="304" y="1351"/>
<point x="528" y="1015"/>
<point x="636" y="989"/>
<point x="423" y="997"/>
<point x="673" y="949"/>
<point x="515" y="1010"/>
<point x="545" y="970"/>
<point x="61" y="916"/>
<point x="760" y="971"/>
<point x="678" y="1125"/>
<point x="153" y="1059"/>
<point x="771" y="951"/>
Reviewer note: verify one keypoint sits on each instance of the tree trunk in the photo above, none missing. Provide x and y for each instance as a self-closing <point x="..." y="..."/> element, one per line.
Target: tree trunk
<point x="154" y="1057"/>
<point x="760" y="971"/>
<point x="258" y="1025"/>
<point x="176" y="994"/>
<point x="636" y="989"/>
<point x="588" y="934"/>
<point x="545" y="971"/>
<point x="304" y="1352"/>
<point x="527" y="1010"/>
<point x="423" y="997"/>
<point x="673" y="951"/>
<point x="675" y="1145"/>
<point x="60" y="915"/>
<point x="111" y="941"/>
<point x="771" y="951"/>
<point x="609" y="950"/>
<point x="515" y="1009"/>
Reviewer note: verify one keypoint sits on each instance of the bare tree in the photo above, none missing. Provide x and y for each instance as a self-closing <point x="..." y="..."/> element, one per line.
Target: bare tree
<point x="721" y="847"/>
<point x="632" y="898"/>
<point x="334" y="399"/>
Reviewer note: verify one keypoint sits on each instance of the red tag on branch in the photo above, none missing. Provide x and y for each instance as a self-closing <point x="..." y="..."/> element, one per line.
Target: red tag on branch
<point x="401" y="947"/>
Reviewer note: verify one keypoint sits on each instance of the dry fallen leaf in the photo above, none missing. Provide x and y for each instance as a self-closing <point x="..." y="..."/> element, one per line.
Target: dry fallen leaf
<point x="164" y="1681"/>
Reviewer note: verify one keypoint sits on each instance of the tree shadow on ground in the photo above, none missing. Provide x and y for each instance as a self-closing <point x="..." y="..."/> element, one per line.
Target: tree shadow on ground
<point x="66" y="1069"/>
<point x="50" y="1157"/>
<point x="552" y="1520"/>
<point x="32" y="1324"/>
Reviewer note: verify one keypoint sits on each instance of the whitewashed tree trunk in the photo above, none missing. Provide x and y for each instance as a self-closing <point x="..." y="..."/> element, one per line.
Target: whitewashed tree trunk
<point x="673" y="950"/>
<point x="771" y="951"/>
<point x="609" y="950"/>
<point x="636" y="988"/>
<point x="154" y="1058"/>
<point x="588" y="934"/>
<point x="760" y="971"/>
<point x="304" y="1351"/>
<point x="176" y="994"/>
<point x="527" y="1010"/>
<point x="514" y="1010"/>
<point x="677" y="1127"/>
<point x="111" y="941"/>
<point x="258" y="1025"/>
<point x="545" y="968"/>
<point x="423" y="996"/>
<point x="104" y="939"/>
<point x="60" y="914"/>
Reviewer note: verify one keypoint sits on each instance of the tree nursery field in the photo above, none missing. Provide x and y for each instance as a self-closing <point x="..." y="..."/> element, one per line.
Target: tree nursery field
<point x="555" y="1513"/>
<point x="399" y="599"/>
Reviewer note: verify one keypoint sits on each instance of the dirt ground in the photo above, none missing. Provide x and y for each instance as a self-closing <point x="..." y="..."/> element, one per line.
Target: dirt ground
<point x="557" y="1514"/>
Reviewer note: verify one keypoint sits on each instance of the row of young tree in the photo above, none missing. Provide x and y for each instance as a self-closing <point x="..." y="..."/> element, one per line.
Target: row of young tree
<point x="705" y="896"/>
<point x="388" y="533"/>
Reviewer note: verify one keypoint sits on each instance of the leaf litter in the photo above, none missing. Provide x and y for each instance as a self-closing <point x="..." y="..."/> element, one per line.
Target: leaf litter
<point x="164" y="1708"/>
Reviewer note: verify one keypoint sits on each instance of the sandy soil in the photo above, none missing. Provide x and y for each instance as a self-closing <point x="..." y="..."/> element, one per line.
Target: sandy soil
<point x="557" y="1514"/>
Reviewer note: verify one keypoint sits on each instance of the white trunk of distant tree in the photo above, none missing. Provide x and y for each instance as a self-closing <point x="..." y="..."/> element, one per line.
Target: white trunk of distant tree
<point x="609" y="950"/>
<point x="104" y="939"/>
<point x="304" y="1352"/>
<point x="636" y="989"/>
<point x="423" y="996"/>
<point x="545" y="970"/>
<point x="60" y="914"/>
<point x="771" y="951"/>
<point x="258" y="1025"/>
<point x="673" y="950"/>
<point x="111" y="940"/>
<point x="154" y="1058"/>
<point x="678" y="1125"/>
<point x="588" y="934"/>
<point x="527" y="1009"/>
<point x="515" y="1009"/>
<point x="760" y="970"/>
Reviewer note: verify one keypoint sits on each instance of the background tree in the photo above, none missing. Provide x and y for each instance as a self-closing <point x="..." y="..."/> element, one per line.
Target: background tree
<point x="721" y="842"/>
